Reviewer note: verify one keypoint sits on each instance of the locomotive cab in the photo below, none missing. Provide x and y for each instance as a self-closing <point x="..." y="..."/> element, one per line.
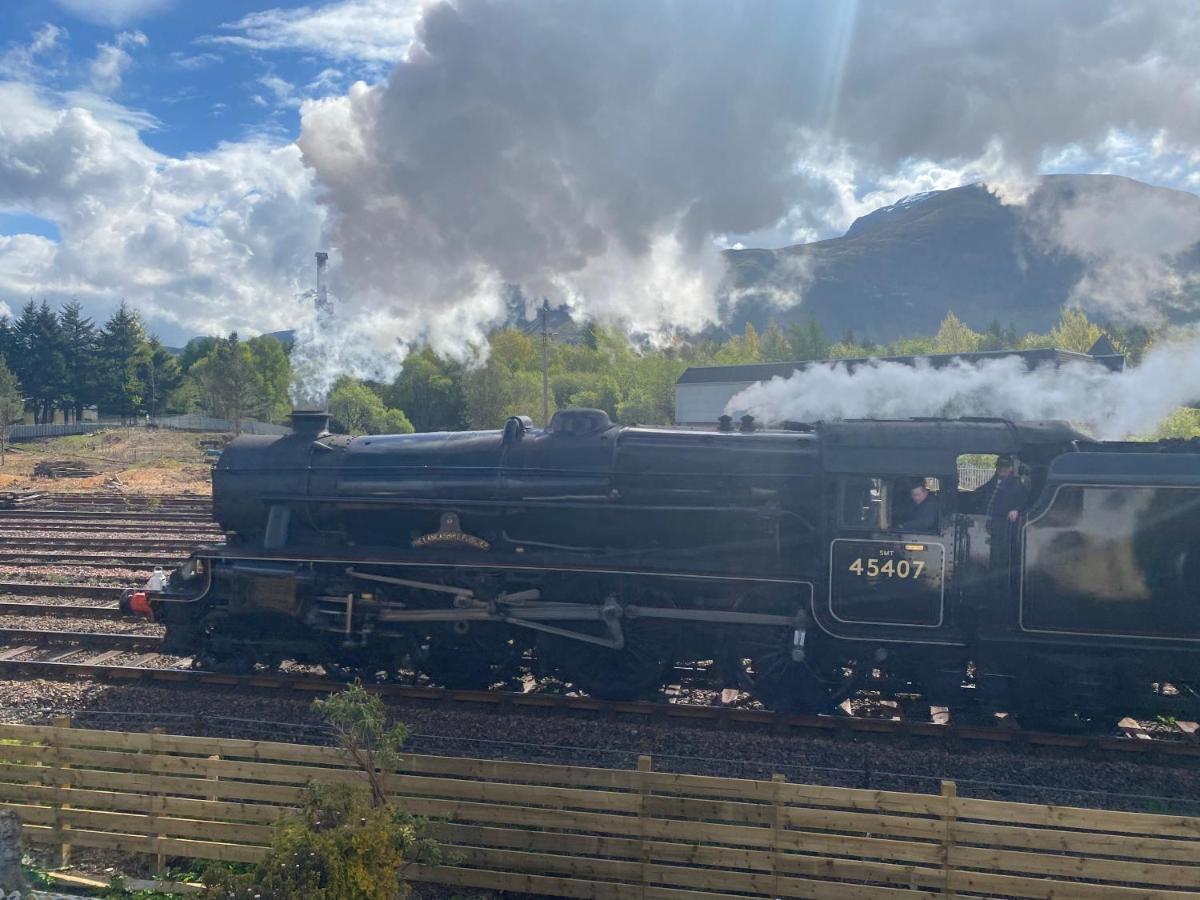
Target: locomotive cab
<point x="897" y="572"/>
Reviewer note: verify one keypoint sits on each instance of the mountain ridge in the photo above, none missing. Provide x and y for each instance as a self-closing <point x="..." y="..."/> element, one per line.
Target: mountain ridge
<point x="898" y="270"/>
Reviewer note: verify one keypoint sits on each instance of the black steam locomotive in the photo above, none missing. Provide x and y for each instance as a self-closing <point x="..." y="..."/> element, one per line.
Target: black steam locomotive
<point x="609" y="555"/>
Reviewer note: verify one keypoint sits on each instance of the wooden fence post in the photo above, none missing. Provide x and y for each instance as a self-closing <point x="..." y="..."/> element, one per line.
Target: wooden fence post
<point x="778" y="826"/>
<point x="213" y="796"/>
<point x="645" y="765"/>
<point x="61" y="783"/>
<point x="949" y="795"/>
<point x="156" y="808"/>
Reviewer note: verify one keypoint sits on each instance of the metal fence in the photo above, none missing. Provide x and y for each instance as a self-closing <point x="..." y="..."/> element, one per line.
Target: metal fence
<point x="972" y="477"/>
<point x="29" y="432"/>
<point x="195" y="422"/>
<point x="176" y="423"/>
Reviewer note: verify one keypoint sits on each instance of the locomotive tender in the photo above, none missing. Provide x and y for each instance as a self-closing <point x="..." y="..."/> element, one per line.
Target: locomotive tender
<point x="609" y="554"/>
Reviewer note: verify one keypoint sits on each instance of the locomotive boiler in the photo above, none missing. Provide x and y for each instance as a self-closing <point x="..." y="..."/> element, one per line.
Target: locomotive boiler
<point x="607" y="555"/>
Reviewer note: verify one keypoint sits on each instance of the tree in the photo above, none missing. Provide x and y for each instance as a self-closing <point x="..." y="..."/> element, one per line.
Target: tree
<point x="12" y="406"/>
<point x="356" y="409"/>
<point x="195" y="350"/>
<point x="22" y="360"/>
<point x="273" y="375"/>
<point x="808" y="341"/>
<point x="741" y="349"/>
<point x="227" y="380"/>
<point x="955" y="337"/>
<point x="79" y="337"/>
<point x="1074" y="332"/>
<point x="775" y="344"/>
<point x="161" y="376"/>
<point x="993" y="338"/>
<point x="494" y="392"/>
<point x="430" y="391"/>
<point x="123" y="354"/>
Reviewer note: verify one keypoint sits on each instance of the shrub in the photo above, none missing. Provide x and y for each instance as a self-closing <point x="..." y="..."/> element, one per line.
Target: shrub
<point x="339" y="847"/>
<point x="348" y="841"/>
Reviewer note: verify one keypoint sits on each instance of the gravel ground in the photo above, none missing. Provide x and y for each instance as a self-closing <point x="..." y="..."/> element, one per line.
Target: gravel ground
<point x="1030" y="774"/>
<point x="68" y="573"/>
<point x="79" y="623"/>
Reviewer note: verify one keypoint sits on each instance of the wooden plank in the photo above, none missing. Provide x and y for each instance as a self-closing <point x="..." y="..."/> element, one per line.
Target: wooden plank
<point x="400" y="786"/>
<point x="14" y="652"/>
<point x="137" y="663"/>
<point x="865" y="847"/>
<point x="1090" y="842"/>
<point x="495" y="770"/>
<point x="1051" y="889"/>
<point x="1070" y="817"/>
<point x="816" y="795"/>
<point x="693" y="877"/>
<point x="134" y="824"/>
<point x="709" y="810"/>
<point x="101" y="658"/>
<point x="1126" y="871"/>
<point x="526" y="839"/>
<point x="863" y="823"/>
<point x="286" y="795"/>
<point x="503" y="860"/>
<point x="262" y="814"/>
<point x="528" y="883"/>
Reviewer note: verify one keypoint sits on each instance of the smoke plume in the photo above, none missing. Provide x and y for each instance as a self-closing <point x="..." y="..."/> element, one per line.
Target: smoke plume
<point x="1106" y="403"/>
<point x="602" y="153"/>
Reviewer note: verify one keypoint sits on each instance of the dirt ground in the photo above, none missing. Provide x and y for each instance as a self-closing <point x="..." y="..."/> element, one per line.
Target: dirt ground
<point x="130" y="460"/>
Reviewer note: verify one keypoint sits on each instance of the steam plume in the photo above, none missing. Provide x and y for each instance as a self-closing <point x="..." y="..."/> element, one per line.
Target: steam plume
<point x="1108" y="404"/>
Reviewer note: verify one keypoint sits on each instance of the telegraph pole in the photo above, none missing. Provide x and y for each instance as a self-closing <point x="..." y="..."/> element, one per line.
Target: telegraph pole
<point x="545" y="362"/>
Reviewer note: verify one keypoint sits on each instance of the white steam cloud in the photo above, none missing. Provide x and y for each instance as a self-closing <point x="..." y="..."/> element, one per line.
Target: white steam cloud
<point x="599" y="153"/>
<point x="1133" y="241"/>
<point x="1106" y="403"/>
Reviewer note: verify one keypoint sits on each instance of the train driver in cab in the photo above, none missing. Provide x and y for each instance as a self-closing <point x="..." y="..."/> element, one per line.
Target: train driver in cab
<point x="1006" y="496"/>
<point x="923" y="516"/>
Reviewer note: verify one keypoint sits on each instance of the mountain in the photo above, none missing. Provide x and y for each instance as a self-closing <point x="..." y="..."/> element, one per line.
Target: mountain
<point x="898" y="270"/>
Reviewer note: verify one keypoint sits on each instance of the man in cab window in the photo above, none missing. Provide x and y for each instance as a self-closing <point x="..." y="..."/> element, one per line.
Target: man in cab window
<point x="923" y="516"/>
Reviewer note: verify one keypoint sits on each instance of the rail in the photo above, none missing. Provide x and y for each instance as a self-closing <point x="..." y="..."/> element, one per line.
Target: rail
<point x="587" y="832"/>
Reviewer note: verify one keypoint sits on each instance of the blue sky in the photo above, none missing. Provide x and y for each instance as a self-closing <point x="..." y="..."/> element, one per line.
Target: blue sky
<point x="191" y="156"/>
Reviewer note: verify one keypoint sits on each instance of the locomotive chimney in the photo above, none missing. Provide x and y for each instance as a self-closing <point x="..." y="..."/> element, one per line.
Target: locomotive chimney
<point x="322" y="292"/>
<point x="310" y="422"/>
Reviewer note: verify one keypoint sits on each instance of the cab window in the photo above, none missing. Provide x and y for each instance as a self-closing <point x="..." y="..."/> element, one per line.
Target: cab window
<point x="877" y="503"/>
<point x="864" y="503"/>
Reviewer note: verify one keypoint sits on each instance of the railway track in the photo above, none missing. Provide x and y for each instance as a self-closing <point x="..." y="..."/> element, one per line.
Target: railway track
<point x="123" y="657"/>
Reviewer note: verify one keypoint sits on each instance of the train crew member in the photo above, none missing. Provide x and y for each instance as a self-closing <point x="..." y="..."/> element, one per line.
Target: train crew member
<point x="1006" y="496"/>
<point x="923" y="517"/>
<point x="1006" y="499"/>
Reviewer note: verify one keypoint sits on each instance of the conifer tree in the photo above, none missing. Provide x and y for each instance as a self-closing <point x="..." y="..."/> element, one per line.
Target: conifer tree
<point x="123" y="353"/>
<point x="80" y="383"/>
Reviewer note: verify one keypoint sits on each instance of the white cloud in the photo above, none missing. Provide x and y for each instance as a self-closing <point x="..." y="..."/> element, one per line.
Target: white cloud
<point x="114" y="12"/>
<point x="283" y="90"/>
<point x="370" y="31"/>
<point x="195" y="61"/>
<point x="208" y="242"/>
<point x="111" y="61"/>
<point x="21" y="61"/>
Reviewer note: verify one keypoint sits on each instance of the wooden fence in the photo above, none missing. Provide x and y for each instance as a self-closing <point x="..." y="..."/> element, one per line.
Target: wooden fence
<point x="596" y="833"/>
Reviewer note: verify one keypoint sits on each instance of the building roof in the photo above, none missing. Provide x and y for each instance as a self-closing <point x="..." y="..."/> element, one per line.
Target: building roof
<point x="764" y="371"/>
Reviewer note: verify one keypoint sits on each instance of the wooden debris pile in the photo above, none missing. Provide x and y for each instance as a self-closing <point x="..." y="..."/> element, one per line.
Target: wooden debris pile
<point x="22" y="499"/>
<point x="63" y="468"/>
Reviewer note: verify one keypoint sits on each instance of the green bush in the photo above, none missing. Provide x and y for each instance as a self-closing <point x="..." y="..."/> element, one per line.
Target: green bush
<point x="339" y="847"/>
